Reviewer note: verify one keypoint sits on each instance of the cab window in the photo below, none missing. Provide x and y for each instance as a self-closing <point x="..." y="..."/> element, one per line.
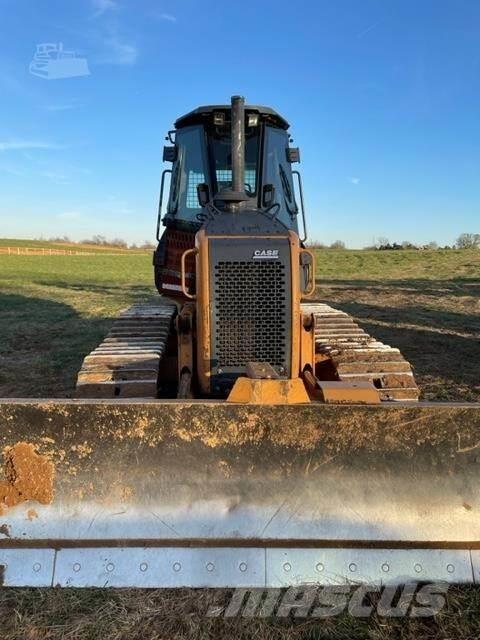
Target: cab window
<point x="189" y="170"/>
<point x="222" y="155"/>
<point x="278" y="172"/>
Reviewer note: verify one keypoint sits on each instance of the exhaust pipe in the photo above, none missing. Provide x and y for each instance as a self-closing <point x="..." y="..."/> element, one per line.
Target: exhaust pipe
<point x="238" y="145"/>
<point x="234" y="199"/>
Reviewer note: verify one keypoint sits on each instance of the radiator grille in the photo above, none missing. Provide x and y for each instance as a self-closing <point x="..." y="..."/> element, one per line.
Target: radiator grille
<point x="251" y="315"/>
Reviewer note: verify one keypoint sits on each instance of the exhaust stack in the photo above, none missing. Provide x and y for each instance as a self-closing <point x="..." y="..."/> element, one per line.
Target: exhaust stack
<point x="238" y="145"/>
<point x="235" y="197"/>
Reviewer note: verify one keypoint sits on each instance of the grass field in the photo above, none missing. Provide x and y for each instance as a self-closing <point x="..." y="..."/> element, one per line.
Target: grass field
<point x="54" y="309"/>
<point x="75" y="246"/>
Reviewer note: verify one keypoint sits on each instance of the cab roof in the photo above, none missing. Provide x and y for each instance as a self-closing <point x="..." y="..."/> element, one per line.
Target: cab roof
<point x="199" y="114"/>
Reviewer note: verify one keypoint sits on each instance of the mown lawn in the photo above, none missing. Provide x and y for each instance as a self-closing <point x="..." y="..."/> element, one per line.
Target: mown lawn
<point x="445" y="264"/>
<point x="427" y="303"/>
<point x="55" y="309"/>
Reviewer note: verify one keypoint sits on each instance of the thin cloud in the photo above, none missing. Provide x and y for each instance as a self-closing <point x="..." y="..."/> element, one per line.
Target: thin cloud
<point x="373" y="26"/>
<point x="168" y="17"/>
<point x="12" y="170"/>
<point x="112" y="47"/>
<point x="158" y="14"/>
<point x="102" y="6"/>
<point x="54" y="176"/>
<point x="118" y="52"/>
<point x="355" y="180"/>
<point x="62" y="107"/>
<point x="23" y="145"/>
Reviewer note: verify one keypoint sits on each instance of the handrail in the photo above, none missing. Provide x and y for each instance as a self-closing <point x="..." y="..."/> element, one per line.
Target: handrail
<point x="311" y="274"/>
<point x="302" y="205"/>
<point x="185" y="291"/>
<point x="160" y="202"/>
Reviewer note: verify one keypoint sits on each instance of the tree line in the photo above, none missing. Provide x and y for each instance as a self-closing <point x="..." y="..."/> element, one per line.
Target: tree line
<point x="464" y="241"/>
<point x="102" y="241"/>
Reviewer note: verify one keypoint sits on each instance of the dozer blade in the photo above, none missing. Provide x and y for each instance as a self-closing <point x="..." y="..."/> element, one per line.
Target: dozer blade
<point x="208" y="494"/>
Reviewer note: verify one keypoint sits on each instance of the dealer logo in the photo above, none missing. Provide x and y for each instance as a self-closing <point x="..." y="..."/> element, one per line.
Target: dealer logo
<point x="266" y="254"/>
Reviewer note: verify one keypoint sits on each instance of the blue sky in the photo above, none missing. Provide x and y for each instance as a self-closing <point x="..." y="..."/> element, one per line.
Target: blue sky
<point x="383" y="97"/>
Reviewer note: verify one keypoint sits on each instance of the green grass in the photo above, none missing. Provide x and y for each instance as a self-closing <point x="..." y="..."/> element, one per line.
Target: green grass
<point x="401" y="265"/>
<point x="55" y="309"/>
<point x="427" y="303"/>
<point x="79" y="280"/>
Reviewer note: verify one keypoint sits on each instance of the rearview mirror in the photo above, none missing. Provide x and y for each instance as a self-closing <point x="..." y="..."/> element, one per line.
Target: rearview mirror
<point x="203" y="194"/>
<point x="169" y="154"/>
<point x="268" y="195"/>
<point x="293" y="154"/>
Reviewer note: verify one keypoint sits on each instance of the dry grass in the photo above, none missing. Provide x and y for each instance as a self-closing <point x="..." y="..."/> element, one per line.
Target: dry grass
<point x="54" y="310"/>
<point x="73" y="614"/>
<point x="76" y="246"/>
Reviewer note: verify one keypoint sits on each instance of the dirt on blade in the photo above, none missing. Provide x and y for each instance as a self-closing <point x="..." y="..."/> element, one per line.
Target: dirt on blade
<point x="28" y="476"/>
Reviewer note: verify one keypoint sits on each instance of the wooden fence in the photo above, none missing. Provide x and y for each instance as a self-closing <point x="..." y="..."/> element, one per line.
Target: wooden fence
<point x="41" y="251"/>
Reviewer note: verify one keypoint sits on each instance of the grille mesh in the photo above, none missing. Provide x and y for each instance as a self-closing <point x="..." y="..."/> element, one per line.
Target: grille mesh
<point x="251" y="317"/>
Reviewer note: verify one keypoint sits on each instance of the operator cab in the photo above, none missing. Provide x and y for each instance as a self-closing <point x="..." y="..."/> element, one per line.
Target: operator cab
<point x="201" y="180"/>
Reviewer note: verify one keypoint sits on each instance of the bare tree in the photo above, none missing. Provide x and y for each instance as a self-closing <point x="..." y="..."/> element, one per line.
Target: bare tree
<point x="118" y="242"/>
<point x="338" y="244"/>
<point x="468" y="241"/>
<point x="97" y="239"/>
<point x="59" y="239"/>
<point x="315" y="244"/>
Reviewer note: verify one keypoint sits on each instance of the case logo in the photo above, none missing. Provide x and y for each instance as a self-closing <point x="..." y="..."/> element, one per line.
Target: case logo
<point x="266" y="254"/>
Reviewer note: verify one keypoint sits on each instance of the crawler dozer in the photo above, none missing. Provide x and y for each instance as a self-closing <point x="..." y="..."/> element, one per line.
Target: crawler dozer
<point x="235" y="431"/>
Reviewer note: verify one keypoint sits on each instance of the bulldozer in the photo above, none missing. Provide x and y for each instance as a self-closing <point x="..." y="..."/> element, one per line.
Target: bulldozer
<point x="235" y="431"/>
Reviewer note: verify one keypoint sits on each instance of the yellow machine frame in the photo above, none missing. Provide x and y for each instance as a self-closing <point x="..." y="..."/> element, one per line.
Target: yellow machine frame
<point x="302" y="330"/>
